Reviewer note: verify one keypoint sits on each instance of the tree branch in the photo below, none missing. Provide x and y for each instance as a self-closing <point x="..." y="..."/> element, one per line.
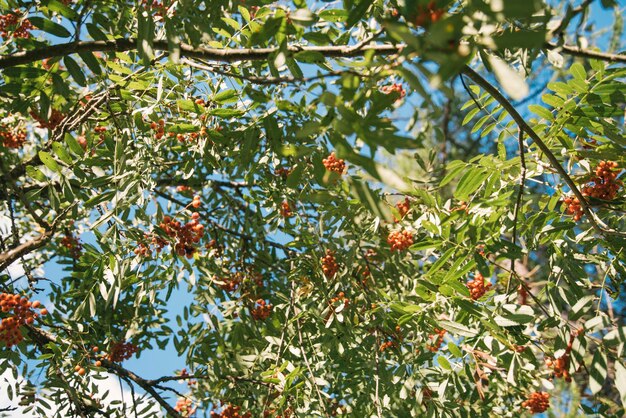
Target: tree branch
<point x="42" y="338"/>
<point x="211" y="54"/>
<point x="597" y="224"/>
<point x="586" y="53"/>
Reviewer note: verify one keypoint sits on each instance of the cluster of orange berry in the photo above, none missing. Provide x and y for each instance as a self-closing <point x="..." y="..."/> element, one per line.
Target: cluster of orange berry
<point x="196" y="202"/>
<point x="14" y="22"/>
<point x="340" y="297"/>
<point x="537" y="402"/>
<point x="183" y="189"/>
<point x="429" y="14"/>
<point x="230" y="411"/>
<point x="283" y="172"/>
<point x="393" y="341"/>
<point x="158" y="128"/>
<point x="100" y="130"/>
<point x="56" y="117"/>
<point x="400" y="240"/>
<point x="285" y="210"/>
<point x="477" y="286"/>
<point x="72" y="245"/>
<point x="185" y="407"/>
<point x="261" y="310"/>
<point x="437" y="338"/>
<point x="186" y="235"/>
<point x="403" y="208"/>
<point x="189" y="138"/>
<point x="395" y="87"/>
<point x="329" y="264"/>
<point x="462" y="206"/>
<point x="145" y="251"/>
<point x="120" y="351"/>
<point x="560" y="366"/>
<point x="12" y="139"/>
<point x="23" y="314"/>
<point x="387" y="345"/>
<point x="332" y="163"/>
<point x="604" y="186"/>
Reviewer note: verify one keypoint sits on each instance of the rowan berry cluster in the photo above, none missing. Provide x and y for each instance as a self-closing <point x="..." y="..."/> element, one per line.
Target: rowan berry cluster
<point x="285" y="210"/>
<point x="80" y="370"/>
<point x="332" y="163"/>
<point x="604" y="186"/>
<point x="230" y="411"/>
<point x="537" y="402"/>
<point x="560" y="366"/>
<point x="403" y="208"/>
<point x="120" y="351"/>
<point x="283" y="172"/>
<point x="477" y="286"/>
<point x="100" y="130"/>
<point x="395" y="87"/>
<point x="13" y="22"/>
<point x="196" y="202"/>
<point x="462" y="206"/>
<point x="185" y="235"/>
<point x="183" y="189"/>
<point x="12" y="138"/>
<point x="144" y="249"/>
<point x="158" y="128"/>
<point x="185" y="407"/>
<point x="193" y="136"/>
<point x="56" y="117"/>
<point x="340" y="297"/>
<point x="72" y="245"/>
<point x="387" y="345"/>
<point x="437" y="338"/>
<point x="395" y="337"/>
<point x="329" y="264"/>
<point x="261" y="310"/>
<point x="22" y="314"/>
<point x="429" y="14"/>
<point x="400" y="240"/>
<point x="238" y="279"/>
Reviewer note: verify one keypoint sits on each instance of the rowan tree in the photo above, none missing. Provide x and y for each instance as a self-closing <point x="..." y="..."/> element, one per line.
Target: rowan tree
<point x="372" y="208"/>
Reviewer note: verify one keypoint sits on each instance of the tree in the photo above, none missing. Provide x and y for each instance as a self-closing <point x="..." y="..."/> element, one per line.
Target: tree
<point x="369" y="208"/>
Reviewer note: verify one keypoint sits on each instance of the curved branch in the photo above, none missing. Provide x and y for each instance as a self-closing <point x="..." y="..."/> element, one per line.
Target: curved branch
<point x="597" y="224"/>
<point x="42" y="338"/>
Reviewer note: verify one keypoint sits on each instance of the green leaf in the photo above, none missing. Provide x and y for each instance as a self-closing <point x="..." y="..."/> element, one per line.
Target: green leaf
<point x="620" y="381"/>
<point x="75" y="71"/>
<point x="60" y="151"/>
<point x="597" y="372"/>
<point x="578" y="71"/>
<point x="48" y="161"/>
<point x="91" y="61"/>
<point x="334" y="15"/>
<point x="469" y="183"/>
<point x="444" y="362"/>
<point x="49" y="26"/>
<point x="457" y="329"/>
<point x="62" y="9"/>
<point x="309" y="57"/>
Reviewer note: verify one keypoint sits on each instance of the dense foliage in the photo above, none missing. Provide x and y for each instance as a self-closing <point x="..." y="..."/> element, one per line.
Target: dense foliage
<point x="370" y="208"/>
